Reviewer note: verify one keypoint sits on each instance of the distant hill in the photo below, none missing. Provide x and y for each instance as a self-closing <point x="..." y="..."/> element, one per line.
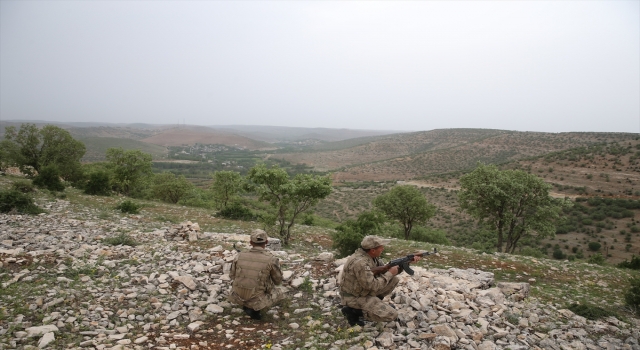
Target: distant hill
<point x="285" y="134"/>
<point x="371" y="150"/>
<point x="97" y="147"/>
<point x="203" y="135"/>
<point x="414" y="155"/>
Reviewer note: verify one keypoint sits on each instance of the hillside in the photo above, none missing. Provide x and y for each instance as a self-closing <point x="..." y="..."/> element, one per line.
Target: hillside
<point x="69" y="282"/>
<point x="113" y="132"/>
<point x="457" y="154"/>
<point x="205" y="136"/>
<point x="97" y="147"/>
<point x="275" y="134"/>
<point x="387" y="147"/>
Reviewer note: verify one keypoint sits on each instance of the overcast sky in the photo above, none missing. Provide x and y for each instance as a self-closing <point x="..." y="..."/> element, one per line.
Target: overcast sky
<point x="416" y="65"/>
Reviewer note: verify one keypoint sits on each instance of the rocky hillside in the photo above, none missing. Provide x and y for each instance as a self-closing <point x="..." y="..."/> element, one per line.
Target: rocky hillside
<point x="74" y="278"/>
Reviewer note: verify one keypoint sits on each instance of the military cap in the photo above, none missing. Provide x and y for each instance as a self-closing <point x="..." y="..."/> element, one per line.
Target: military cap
<point x="370" y="242"/>
<point x="259" y="236"/>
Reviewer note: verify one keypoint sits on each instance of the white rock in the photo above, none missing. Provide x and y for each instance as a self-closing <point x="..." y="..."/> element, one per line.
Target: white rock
<point x="214" y="309"/>
<point x="141" y="340"/>
<point x="294" y="325"/>
<point x="385" y="340"/>
<point x="38" y="331"/>
<point x="297" y="282"/>
<point x="46" y="339"/>
<point x="194" y="326"/>
<point x="187" y="281"/>
<point x="286" y="275"/>
<point x="173" y="315"/>
<point x="325" y="256"/>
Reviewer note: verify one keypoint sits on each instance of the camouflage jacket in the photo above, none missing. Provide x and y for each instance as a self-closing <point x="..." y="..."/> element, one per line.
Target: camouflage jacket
<point x="254" y="273"/>
<point x="357" y="278"/>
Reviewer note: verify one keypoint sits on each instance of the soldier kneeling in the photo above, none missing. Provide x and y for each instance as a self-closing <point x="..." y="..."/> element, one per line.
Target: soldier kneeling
<point x="362" y="290"/>
<point x="256" y="277"/>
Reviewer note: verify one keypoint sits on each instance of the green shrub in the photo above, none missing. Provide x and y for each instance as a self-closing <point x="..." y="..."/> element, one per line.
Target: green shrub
<point x="49" y="178"/>
<point x="483" y="248"/>
<point x="121" y="239"/>
<point x="236" y="211"/>
<point x="558" y="254"/>
<point x="308" y="219"/>
<point x="198" y="198"/>
<point x="632" y="296"/>
<point x="634" y="264"/>
<point x="129" y="207"/>
<point x="15" y="201"/>
<point x="533" y="252"/>
<point x="98" y="184"/>
<point x="346" y="240"/>
<point x="597" y="259"/>
<point x="23" y="186"/>
<point x="423" y="234"/>
<point x="589" y="311"/>
<point x="594" y="246"/>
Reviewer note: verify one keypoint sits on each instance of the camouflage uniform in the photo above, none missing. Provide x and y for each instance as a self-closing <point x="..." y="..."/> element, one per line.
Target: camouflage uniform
<point x="360" y="289"/>
<point x="256" y="278"/>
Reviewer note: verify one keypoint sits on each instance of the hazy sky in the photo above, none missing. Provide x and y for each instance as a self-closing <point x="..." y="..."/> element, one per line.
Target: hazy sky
<point x="415" y="65"/>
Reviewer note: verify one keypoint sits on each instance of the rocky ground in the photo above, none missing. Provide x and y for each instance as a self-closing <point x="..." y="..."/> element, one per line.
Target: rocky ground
<point x="71" y="281"/>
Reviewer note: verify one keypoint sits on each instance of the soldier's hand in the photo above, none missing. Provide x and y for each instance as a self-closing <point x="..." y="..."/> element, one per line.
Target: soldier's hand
<point x="394" y="270"/>
<point x="416" y="258"/>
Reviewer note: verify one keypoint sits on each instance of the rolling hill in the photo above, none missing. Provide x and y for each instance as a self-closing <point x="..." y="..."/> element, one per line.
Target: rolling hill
<point x="202" y="135"/>
<point x="97" y="147"/>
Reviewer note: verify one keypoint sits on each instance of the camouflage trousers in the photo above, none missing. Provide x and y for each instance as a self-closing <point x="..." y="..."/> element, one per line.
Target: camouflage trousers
<point x="372" y="307"/>
<point x="261" y="301"/>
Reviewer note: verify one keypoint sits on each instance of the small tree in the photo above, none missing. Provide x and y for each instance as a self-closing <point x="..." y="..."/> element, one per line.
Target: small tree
<point x="349" y="235"/>
<point x="130" y="169"/>
<point x="170" y="188"/>
<point x="514" y="203"/>
<point x="49" y="178"/>
<point x="225" y="187"/>
<point x="405" y="204"/>
<point x="289" y="197"/>
<point x="7" y="151"/>
<point x="98" y="184"/>
<point x="17" y="201"/>
<point x="594" y="246"/>
<point x="632" y="296"/>
<point x="32" y="149"/>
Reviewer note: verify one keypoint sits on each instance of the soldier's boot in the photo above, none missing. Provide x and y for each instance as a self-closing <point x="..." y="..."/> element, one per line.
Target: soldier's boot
<point x="353" y="316"/>
<point x="254" y="314"/>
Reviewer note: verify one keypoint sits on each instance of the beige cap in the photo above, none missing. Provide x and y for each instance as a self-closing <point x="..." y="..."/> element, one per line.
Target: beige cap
<point x="373" y="242"/>
<point x="259" y="236"/>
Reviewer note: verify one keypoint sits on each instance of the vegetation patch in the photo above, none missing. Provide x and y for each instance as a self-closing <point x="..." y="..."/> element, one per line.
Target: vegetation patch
<point x="129" y="207"/>
<point x="590" y="311"/>
<point x="16" y="201"/>
<point x="120" y="239"/>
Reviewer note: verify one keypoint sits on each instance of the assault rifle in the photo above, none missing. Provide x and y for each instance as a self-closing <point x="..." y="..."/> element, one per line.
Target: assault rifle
<point x="402" y="263"/>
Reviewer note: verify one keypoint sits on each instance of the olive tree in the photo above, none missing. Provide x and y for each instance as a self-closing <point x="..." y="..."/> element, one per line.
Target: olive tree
<point x="130" y="169"/>
<point x="407" y="205"/>
<point x="288" y="196"/>
<point x="32" y="149"/>
<point x="170" y="188"/>
<point x="514" y="203"/>
<point x="225" y="187"/>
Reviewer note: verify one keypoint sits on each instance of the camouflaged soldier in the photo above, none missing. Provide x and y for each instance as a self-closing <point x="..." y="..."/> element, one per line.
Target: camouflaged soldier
<point x="365" y="282"/>
<point x="256" y="277"/>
